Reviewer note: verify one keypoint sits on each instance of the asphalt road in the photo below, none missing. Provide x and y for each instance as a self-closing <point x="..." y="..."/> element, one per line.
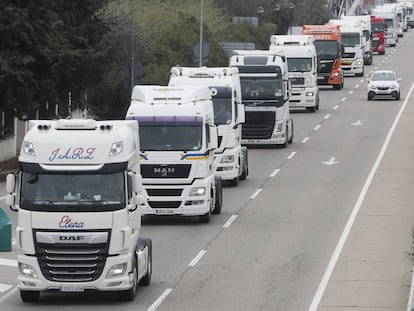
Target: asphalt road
<point x="270" y="247"/>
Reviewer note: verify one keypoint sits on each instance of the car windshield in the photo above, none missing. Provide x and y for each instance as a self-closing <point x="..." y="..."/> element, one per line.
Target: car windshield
<point x="383" y="76"/>
<point x="67" y="192"/>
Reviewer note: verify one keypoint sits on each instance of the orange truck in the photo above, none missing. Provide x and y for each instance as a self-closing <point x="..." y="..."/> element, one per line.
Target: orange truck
<point x="329" y="49"/>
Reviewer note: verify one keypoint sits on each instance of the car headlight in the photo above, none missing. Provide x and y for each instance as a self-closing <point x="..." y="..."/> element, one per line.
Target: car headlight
<point x="394" y="86"/>
<point x="117" y="270"/>
<point x="27" y="271"/>
<point x="227" y="159"/>
<point x="197" y="191"/>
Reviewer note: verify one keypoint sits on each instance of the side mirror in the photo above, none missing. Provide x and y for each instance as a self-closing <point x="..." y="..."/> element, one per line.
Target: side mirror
<point x="241" y="113"/>
<point x="9" y="200"/>
<point x="10" y="183"/>
<point x="399" y="79"/>
<point x="137" y="183"/>
<point x="213" y="137"/>
<point x="139" y="199"/>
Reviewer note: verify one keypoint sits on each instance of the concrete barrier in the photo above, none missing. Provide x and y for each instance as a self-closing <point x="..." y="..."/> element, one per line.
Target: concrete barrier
<point x="5" y="232"/>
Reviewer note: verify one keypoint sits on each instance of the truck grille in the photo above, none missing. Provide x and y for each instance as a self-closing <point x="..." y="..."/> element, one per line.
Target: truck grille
<point x="258" y="124"/>
<point x="375" y="44"/>
<point x="164" y="204"/>
<point x="164" y="192"/>
<point x="348" y="55"/>
<point x="326" y="66"/>
<point x="297" y="81"/>
<point x="71" y="261"/>
<point x="165" y="170"/>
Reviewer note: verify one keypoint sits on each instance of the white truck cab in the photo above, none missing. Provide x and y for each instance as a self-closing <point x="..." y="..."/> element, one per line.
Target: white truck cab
<point x="77" y="195"/>
<point x="266" y="90"/>
<point x="302" y="63"/>
<point x="230" y="157"/>
<point x="354" y="42"/>
<point x="178" y="139"/>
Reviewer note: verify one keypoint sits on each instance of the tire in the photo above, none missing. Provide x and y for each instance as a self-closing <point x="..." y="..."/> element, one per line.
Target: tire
<point x="235" y="181"/>
<point x="146" y="279"/>
<point x="291" y="137"/>
<point x="311" y="109"/>
<point x="370" y="96"/>
<point x="381" y="53"/>
<point x="337" y="87"/>
<point x="130" y="294"/>
<point x="29" y="296"/>
<point x="218" y="204"/>
<point x="245" y="171"/>
<point x="205" y="219"/>
<point x="397" y="97"/>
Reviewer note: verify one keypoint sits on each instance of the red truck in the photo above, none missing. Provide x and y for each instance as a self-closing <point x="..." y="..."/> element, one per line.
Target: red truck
<point x="378" y="34"/>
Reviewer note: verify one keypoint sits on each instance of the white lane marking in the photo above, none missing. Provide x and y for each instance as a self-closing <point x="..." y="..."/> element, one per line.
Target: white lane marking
<point x="8" y="262"/>
<point x="376" y="67"/>
<point x="291" y="155"/>
<point x="255" y="194"/>
<point x="5" y="287"/>
<point x="357" y="123"/>
<point x="410" y="297"/>
<point x="357" y="86"/>
<point x="351" y="92"/>
<point x="341" y="243"/>
<point x="274" y="173"/>
<point x="335" y="107"/>
<point x="230" y="221"/>
<point x="362" y="80"/>
<point x="159" y="300"/>
<point x="8" y="294"/>
<point x="330" y="162"/>
<point x="343" y="99"/>
<point x="197" y="258"/>
<point x="305" y="140"/>
<point x="327" y="117"/>
<point x="317" y="127"/>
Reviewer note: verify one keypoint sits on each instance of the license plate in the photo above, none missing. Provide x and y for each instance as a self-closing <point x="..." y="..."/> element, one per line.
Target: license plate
<point x="383" y="92"/>
<point x="164" y="212"/>
<point x="72" y="289"/>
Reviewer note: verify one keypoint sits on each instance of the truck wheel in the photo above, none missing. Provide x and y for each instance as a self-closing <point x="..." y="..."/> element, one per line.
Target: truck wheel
<point x="235" y="181"/>
<point x="337" y="86"/>
<point x="291" y="136"/>
<point x="311" y="109"/>
<point x="130" y="294"/>
<point x="146" y="279"/>
<point x="29" y="296"/>
<point x="219" y="197"/>
<point x="204" y="219"/>
<point x="245" y="171"/>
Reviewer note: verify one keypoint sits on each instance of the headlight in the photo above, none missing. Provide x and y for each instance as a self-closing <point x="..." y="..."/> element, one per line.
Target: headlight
<point x="117" y="270"/>
<point x="309" y="93"/>
<point x="27" y="271"/>
<point x="279" y="127"/>
<point x="394" y="86"/>
<point x="335" y="74"/>
<point x="28" y="148"/>
<point x="227" y="159"/>
<point x="197" y="191"/>
<point x="359" y="63"/>
<point x="116" y="148"/>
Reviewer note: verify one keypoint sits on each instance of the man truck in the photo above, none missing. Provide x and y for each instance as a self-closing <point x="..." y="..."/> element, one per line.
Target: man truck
<point x="178" y="140"/>
<point x="77" y="195"/>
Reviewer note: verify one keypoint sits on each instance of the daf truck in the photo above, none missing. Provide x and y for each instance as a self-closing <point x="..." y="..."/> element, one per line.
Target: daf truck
<point x="265" y="94"/>
<point x="178" y="140"/>
<point x="329" y="48"/>
<point x="378" y="34"/>
<point x="302" y="61"/>
<point x="77" y="195"/>
<point x="230" y="157"/>
<point x="354" y="46"/>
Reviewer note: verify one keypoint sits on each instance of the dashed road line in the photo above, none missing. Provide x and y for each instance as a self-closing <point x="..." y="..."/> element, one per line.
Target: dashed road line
<point x="160" y="299"/>
<point x="343" y="99"/>
<point x="351" y="92"/>
<point x="255" y="194"/>
<point x="317" y="127"/>
<point x="291" y="155"/>
<point x="8" y="262"/>
<point x="362" y="81"/>
<point x="230" y="221"/>
<point x="5" y="287"/>
<point x="197" y="258"/>
<point x="357" y="86"/>
<point x="327" y="117"/>
<point x="335" y="107"/>
<point x="275" y="172"/>
<point x="305" y="140"/>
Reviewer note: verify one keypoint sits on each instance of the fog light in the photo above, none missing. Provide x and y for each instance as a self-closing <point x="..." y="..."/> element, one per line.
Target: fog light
<point x="117" y="270"/>
<point x="27" y="271"/>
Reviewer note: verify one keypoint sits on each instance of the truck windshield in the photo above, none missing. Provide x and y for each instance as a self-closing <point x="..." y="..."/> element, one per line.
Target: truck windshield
<point x="299" y="64"/>
<point x="159" y="136"/>
<point x="222" y="110"/>
<point x="266" y="88"/>
<point x="377" y="27"/>
<point x="72" y="192"/>
<point x="351" y="39"/>
<point x="327" y="49"/>
<point x="389" y="23"/>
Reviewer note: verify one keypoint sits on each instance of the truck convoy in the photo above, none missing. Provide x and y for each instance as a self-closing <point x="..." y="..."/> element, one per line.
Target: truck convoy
<point x="354" y="46"/>
<point x="77" y="195"/>
<point x="230" y="157"/>
<point x="391" y="24"/>
<point x="329" y="49"/>
<point x="378" y="34"/>
<point x="178" y="139"/>
<point x="265" y="94"/>
<point x="410" y="13"/>
<point x="364" y="23"/>
<point x="302" y="60"/>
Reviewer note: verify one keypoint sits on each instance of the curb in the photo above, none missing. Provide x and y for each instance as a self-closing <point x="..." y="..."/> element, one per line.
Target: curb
<point x="410" y="305"/>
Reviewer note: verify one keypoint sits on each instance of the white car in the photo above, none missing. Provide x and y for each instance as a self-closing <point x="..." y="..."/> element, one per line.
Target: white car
<point x="384" y="84"/>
